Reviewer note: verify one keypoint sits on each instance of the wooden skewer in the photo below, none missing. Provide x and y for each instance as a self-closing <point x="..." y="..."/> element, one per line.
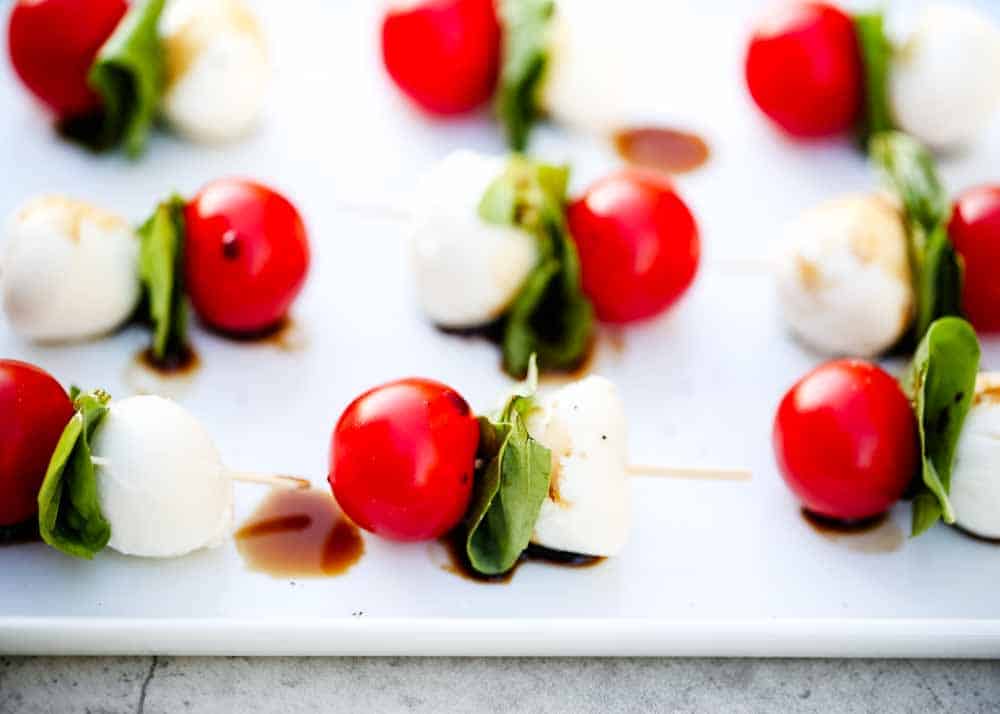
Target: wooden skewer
<point x="399" y="214"/>
<point x="694" y="474"/>
<point x="275" y="480"/>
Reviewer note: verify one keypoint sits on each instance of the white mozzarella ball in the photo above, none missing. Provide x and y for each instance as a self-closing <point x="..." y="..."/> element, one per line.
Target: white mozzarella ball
<point x="945" y="79"/>
<point x="583" y="83"/>
<point x="68" y="270"/>
<point x="588" y="509"/>
<point x="843" y="277"/>
<point x="975" y="476"/>
<point x="160" y="481"/>
<point x="467" y="271"/>
<point x="217" y="69"/>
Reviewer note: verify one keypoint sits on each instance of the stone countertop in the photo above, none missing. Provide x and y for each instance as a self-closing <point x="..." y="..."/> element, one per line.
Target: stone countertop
<point x="172" y="685"/>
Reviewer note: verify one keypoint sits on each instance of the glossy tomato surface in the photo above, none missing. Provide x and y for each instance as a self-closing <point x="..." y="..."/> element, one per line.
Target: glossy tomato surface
<point x="638" y="243"/>
<point x="402" y="459"/>
<point x="443" y="54"/>
<point x="246" y="256"/>
<point x="53" y="43"/>
<point x="34" y="410"/>
<point x="845" y="439"/>
<point x="975" y="231"/>
<point x="804" y="71"/>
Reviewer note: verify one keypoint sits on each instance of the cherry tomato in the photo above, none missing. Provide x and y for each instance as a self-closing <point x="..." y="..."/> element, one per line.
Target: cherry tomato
<point x="402" y="459"/>
<point x="638" y="245"/>
<point x="845" y="439"/>
<point x="53" y="43"/>
<point x="34" y="410"/>
<point x="246" y="255"/>
<point x="443" y="54"/>
<point x="803" y="68"/>
<point x="975" y="231"/>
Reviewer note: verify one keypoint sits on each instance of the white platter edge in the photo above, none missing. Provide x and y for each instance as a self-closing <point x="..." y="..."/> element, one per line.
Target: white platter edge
<point x="882" y="638"/>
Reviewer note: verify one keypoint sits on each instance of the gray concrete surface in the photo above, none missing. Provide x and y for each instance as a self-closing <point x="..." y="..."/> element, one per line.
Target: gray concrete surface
<point x="169" y="685"/>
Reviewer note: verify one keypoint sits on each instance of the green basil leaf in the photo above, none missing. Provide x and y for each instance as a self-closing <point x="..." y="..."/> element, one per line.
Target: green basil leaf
<point x="161" y="270"/>
<point x="876" y="54"/>
<point x="69" y="512"/>
<point x="525" y="56"/>
<point x="941" y="383"/>
<point x="550" y="316"/>
<point x="129" y="74"/>
<point x="938" y="280"/>
<point x="510" y="487"/>
<point x="909" y="169"/>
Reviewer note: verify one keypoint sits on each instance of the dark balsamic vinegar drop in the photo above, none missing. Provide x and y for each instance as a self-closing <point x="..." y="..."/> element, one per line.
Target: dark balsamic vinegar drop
<point x="458" y="561"/>
<point x="666" y="150"/>
<point x="299" y="534"/>
<point x="19" y="533"/>
<point x="878" y="534"/>
<point x="186" y="362"/>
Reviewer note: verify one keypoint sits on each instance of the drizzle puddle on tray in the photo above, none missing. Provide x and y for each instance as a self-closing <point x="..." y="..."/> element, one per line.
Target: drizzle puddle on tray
<point x="872" y="535"/>
<point x="299" y="534"/>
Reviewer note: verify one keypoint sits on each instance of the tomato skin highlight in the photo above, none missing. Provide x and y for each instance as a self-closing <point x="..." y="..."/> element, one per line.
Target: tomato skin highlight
<point x="975" y="232"/>
<point x="804" y="69"/>
<point x="246" y="255"/>
<point x="638" y="243"/>
<point x="53" y="43"/>
<point x="845" y="439"/>
<point x="402" y="459"/>
<point x="35" y="411"/>
<point x="443" y="54"/>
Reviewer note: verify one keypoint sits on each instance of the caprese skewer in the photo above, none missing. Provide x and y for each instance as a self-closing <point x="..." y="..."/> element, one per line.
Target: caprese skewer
<point x="108" y="68"/>
<point x="409" y="461"/>
<point x="238" y="251"/>
<point x="850" y="440"/>
<point x="535" y="58"/>
<point x="859" y="275"/>
<point x="817" y="71"/>
<point x="496" y="242"/>
<point x="140" y="475"/>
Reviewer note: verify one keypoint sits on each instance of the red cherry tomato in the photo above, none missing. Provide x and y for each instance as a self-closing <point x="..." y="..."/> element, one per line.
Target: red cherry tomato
<point x="246" y="255"/>
<point x="443" y="54"/>
<point x="975" y="231"/>
<point x="402" y="459"/>
<point x="638" y="245"/>
<point x="803" y="68"/>
<point x="845" y="438"/>
<point x="53" y="43"/>
<point x="34" y="410"/>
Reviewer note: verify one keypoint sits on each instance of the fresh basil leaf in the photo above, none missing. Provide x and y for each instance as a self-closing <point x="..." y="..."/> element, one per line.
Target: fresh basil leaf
<point x="510" y="487"/>
<point x="161" y="270"/>
<point x="909" y="169"/>
<point x="939" y="280"/>
<point x="876" y="54"/>
<point x="550" y="316"/>
<point x="129" y="74"/>
<point x="69" y="512"/>
<point x="941" y="383"/>
<point x="525" y="56"/>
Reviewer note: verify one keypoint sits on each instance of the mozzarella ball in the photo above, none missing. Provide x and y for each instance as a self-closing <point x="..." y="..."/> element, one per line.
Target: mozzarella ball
<point x="588" y="508"/>
<point x="975" y="476"/>
<point x="467" y="271"/>
<point x="160" y="481"/>
<point x="945" y="79"/>
<point x="217" y="69"/>
<point x="582" y="85"/>
<point x="68" y="270"/>
<point x="843" y="277"/>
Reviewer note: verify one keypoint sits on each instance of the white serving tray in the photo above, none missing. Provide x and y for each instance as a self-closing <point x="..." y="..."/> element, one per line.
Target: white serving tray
<point x="711" y="568"/>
